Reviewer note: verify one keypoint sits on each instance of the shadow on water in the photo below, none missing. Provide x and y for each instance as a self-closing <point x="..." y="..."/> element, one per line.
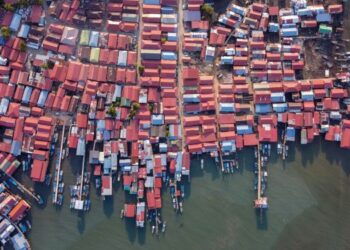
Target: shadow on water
<point x="261" y="219"/>
<point x="141" y="236"/>
<point x="108" y="206"/>
<point x="81" y="222"/>
<point x="130" y="228"/>
<point x="336" y="155"/>
<point x="309" y="151"/>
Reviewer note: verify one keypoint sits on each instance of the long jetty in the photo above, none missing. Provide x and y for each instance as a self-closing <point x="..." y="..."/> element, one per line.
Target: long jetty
<point x="259" y="173"/>
<point x="58" y="169"/>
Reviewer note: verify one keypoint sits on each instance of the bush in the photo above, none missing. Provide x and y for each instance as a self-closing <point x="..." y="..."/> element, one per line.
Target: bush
<point x="6" y="33"/>
<point x="9" y="7"/>
<point x="135" y="106"/>
<point x="38" y="2"/>
<point x="22" y="46"/>
<point x="23" y="3"/>
<point x="45" y="66"/>
<point x="207" y="11"/>
<point x="50" y="64"/>
<point x="141" y="69"/>
<point x="111" y="111"/>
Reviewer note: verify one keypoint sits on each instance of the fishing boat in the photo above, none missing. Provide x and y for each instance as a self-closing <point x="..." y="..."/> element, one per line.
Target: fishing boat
<point x="72" y="203"/>
<point x="87" y="204"/>
<point x="164" y="227"/>
<point x="59" y="199"/>
<point x="279" y="148"/>
<point x="174" y="203"/>
<point x="140" y="214"/>
<point x="97" y="183"/>
<point x="60" y="187"/>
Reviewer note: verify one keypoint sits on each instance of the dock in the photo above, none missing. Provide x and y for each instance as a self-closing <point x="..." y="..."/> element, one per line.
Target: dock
<point x="259" y="173"/>
<point x="24" y="190"/>
<point x="82" y="176"/>
<point x="58" y="167"/>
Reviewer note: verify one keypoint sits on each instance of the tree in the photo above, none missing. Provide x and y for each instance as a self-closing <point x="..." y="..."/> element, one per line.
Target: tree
<point x="151" y="107"/>
<point x="207" y="11"/>
<point x="38" y="2"/>
<point x="50" y="64"/>
<point x="9" y="7"/>
<point x="141" y="69"/>
<point x="44" y="66"/>
<point x="111" y="111"/>
<point x="135" y="106"/>
<point x="6" y="33"/>
<point x="22" y="46"/>
<point x="163" y="39"/>
<point x="23" y="3"/>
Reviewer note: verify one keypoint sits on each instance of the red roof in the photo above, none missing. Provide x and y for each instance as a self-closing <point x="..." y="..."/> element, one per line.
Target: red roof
<point x="39" y="169"/>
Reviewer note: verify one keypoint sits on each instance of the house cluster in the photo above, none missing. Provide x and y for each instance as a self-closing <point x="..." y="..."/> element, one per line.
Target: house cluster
<point x="196" y="33"/>
<point x="120" y="15"/>
<point x="28" y="25"/>
<point x="199" y="119"/>
<point x="13" y="210"/>
<point x="287" y="22"/>
<point x="262" y="80"/>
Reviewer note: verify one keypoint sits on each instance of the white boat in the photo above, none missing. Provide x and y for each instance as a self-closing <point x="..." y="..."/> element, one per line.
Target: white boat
<point x="202" y="164"/>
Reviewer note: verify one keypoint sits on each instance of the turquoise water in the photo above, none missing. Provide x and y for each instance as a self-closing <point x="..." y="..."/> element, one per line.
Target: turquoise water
<point x="309" y="198"/>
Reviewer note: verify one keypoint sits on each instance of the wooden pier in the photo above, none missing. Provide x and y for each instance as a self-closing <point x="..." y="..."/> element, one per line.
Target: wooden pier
<point x="259" y="174"/>
<point x="82" y="177"/>
<point x="58" y="168"/>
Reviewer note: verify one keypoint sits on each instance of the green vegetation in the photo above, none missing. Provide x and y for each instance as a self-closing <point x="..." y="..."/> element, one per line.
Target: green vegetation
<point x="141" y="69"/>
<point x="163" y="39"/>
<point x="111" y="111"/>
<point x="134" y="108"/>
<point x="207" y="12"/>
<point x="23" y="46"/>
<point x="6" y="33"/>
<point x="9" y="7"/>
<point x="38" y="2"/>
<point x="167" y="131"/>
<point x="117" y="101"/>
<point x="45" y="66"/>
<point x="50" y="64"/>
<point x="151" y="107"/>
<point x="23" y="3"/>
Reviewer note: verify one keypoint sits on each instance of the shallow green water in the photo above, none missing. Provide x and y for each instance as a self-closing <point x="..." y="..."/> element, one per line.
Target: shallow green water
<point x="309" y="198"/>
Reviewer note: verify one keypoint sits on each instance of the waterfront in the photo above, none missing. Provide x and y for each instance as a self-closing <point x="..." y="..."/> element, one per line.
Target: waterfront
<point x="309" y="198"/>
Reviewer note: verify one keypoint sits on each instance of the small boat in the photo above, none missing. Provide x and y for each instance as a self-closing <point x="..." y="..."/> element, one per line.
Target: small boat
<point x="24" y="165"/>
<point x="67" y="152"/>
<point x="279" y="148"/>
<point x="174" y="203"/>
<point x="97" y="183"/>
<point x="163" y="227"/>
<point x="122" y="214"/>
<point x="153" y="229"/>
<point x="48" y="179"/>
<point x="72" y="203"/>
<point x="181" y="207"/>
<point x="182" y="191"/>
<point x="202" y="164"/>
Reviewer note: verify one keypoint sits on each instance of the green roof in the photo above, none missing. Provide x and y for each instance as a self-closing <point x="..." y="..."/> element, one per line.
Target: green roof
<point x="84" y="37"/>
<point x="325" y="29"/>
<point x="94" y="55"/>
